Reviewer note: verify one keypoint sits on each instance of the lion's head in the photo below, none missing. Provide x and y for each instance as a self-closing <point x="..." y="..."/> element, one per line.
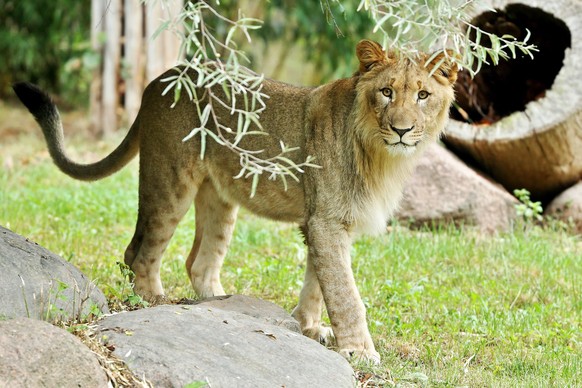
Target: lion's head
<point x="404" y="104"/>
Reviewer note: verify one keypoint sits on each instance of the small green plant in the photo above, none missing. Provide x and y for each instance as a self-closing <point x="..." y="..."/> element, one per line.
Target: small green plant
<point x="94" y="310"/>
<point x="136" y="301"/>
<point x="52" y="311"/>
<point x="527" y="209"/>
<point x="75" y="328"/>
<point x="56" y="305"/>
<point x="132" y="299"/>
<point x="126" y="271"/>
<point x="197" y="384"/>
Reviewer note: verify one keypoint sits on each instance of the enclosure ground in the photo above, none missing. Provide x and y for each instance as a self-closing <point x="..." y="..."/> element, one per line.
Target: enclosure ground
<point x="446" y="307"/>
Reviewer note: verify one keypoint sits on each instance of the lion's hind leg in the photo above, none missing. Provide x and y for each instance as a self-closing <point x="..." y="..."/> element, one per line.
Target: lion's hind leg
<point x="215" y="220"/>
<point x="164" y="199"/>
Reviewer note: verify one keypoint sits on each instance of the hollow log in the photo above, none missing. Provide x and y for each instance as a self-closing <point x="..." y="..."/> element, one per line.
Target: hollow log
<point x="521" y="122"/>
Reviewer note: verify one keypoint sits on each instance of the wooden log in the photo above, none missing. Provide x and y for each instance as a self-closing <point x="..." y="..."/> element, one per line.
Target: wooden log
<point x="170" y="40"/>
<point x="162" y="52"/>
<point x="111" y="69"/>
<point x="154" y="47"/>
<point x="538" y="148"/>
<point x="144" y="58"/>
<point x="98" y="9"/>
<point x="133" y="56"/>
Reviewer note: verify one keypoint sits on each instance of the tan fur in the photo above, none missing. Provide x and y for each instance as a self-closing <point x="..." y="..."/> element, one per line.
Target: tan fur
<point x="349" y="126"/>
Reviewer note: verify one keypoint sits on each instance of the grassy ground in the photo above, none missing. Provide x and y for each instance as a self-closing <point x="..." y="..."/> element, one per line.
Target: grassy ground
<point x="446" y="308"/>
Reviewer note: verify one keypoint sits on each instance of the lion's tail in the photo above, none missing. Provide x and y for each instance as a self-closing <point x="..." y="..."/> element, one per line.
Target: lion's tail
<point x="47" y="115"/>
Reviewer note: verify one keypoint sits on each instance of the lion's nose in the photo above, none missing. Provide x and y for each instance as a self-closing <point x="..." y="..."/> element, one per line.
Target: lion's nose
<point x="402" y="131"/>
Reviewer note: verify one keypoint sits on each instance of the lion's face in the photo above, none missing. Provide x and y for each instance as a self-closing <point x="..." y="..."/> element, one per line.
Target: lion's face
<point x="407" y="105"/>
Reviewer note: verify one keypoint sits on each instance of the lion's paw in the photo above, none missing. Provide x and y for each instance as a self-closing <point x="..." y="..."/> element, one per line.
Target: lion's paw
<point x="369" y="356"/>
<point x="157" y="300"/>
<point x="207" y="286"/>
<point x="323" y="334"/>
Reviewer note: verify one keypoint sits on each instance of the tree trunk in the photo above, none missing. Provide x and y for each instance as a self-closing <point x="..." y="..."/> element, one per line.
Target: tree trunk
<point x="118" y="86"/>
<point x="133" y="56"/>
<point x="537" y="146"/>
<point x="154" y="47"/>
<point x="111" y="63"/>
<point x="162" y="52"/>
<point x="98" y="8"/>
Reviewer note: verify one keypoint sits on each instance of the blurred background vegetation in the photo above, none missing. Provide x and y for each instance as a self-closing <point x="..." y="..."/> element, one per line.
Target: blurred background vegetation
<point x="47" y="42"/>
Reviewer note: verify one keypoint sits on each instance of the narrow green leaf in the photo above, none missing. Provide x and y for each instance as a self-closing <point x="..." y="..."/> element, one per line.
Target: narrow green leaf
<point x="202" y="143"/>
<point x="254" y="184"/>
<point x="163" y="27"/>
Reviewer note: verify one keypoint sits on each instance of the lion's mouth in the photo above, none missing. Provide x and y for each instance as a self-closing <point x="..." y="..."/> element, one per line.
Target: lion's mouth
<point x="400" y="143"/>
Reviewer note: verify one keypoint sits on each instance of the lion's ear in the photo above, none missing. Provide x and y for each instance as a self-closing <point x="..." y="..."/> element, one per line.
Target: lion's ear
<point x="370" y="54"/>
<point x="447" y="69"/>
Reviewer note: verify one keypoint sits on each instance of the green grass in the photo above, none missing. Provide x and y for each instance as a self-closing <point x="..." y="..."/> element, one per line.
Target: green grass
<point x="446" y="307"/>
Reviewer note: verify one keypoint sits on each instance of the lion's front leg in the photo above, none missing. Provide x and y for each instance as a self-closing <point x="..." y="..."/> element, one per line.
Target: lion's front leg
<point x="309" y="309"/>
<point x="329" y="253"/>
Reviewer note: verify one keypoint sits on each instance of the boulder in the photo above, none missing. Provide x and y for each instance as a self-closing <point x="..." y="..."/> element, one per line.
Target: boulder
<point x="568" y="207"/>
<point x="36" y="283"/>
<point x="268" y="312"/>
<point x="174" y="345"/>
<point x="34" y="353"/>
<point x="444" y="190"/>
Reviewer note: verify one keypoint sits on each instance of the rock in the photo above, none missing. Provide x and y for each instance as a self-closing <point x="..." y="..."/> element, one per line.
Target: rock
<point x="261" y="309"/>
<point x="34" y="353"/>
<point x="444" y="190"/>
<point x="36" y="283"/>
<point x="568" y="207"/>
<point x="174" y="345"/>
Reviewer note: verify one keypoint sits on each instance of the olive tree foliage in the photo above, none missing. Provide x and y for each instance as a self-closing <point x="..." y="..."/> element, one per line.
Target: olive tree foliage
<point x="212" y="76"/>
<point x="212" y="72"/>
<point x="411" y="26"/>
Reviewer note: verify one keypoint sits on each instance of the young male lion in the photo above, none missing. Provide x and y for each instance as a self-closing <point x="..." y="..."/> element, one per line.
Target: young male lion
<point x="365" y="132"/>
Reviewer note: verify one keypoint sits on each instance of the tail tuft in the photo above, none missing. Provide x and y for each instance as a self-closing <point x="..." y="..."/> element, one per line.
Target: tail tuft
<point x="36" y="100"/>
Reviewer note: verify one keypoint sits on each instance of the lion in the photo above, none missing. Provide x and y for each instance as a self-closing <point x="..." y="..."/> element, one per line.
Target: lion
<point x="365" y="132"/>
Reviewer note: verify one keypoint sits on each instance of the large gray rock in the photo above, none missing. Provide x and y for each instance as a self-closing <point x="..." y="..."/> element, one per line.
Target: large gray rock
<point x="36" y="283"/>
<point x="258" y="308"/>
<point x="34" y="353"/>
<point x="444" y="190"/>
<point x="568" y="207"/>
<point x="175" y="345"/>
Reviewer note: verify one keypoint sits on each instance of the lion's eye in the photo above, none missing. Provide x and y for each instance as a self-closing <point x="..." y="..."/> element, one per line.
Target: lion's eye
<point x="386" y="92"/>
<point x="423" y="94"/>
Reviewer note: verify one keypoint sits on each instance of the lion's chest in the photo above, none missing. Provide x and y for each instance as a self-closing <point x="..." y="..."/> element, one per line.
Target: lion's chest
<point x="372" y="217"/>
<point x="378" y="204"/>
